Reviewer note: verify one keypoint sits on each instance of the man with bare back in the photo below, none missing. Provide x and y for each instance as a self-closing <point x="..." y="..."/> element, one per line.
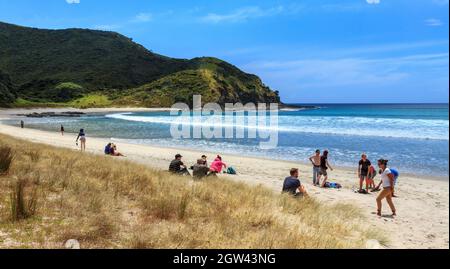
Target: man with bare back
<point x="315" y="160"/>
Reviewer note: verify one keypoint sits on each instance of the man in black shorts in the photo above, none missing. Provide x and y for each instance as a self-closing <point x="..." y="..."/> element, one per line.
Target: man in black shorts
<point x="363" y="172"/>
<point x="324" y="165"/>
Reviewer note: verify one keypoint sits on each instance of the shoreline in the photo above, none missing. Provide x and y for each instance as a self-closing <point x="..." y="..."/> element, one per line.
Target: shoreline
<point x="422" y="206"/>
<point x="14" y="113"/>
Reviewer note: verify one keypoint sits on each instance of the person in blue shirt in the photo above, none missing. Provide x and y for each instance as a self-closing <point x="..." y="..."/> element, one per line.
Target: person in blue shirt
<point x="292" y="184"/>
<point x="108" y="149"/>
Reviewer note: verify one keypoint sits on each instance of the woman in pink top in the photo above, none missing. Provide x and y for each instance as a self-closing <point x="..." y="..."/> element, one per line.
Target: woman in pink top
<point x="216" y="165"/>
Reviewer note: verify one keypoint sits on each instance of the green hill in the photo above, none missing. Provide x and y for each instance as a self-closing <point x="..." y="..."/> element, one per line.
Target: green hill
<point x="97" y="68"/>
<point x="6" y="91"/>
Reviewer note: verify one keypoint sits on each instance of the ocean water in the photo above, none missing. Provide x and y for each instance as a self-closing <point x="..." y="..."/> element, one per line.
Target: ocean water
<point x="414" y="137"/>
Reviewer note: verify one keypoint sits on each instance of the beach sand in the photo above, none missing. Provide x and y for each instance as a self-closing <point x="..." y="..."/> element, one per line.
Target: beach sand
<point x="422" y="205"/>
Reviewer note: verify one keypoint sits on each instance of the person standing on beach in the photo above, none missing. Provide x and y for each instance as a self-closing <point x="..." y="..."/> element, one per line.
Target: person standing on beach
<point x="324" y="165"/>
<point x="315" y="160"/>
<point x="22" y="124"/>
<point x="82" y="137"/>
<point x="387" y="179"/>
<point x="363" y="172"/>
<point x="62" y="130"/>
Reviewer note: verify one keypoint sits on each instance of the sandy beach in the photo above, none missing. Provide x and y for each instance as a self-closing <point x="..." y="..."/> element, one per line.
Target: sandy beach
<point x="422" y="205"/>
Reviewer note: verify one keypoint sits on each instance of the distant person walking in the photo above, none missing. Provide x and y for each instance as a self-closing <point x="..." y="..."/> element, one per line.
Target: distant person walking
<point x="363" y="172"/>
<point x="315" y="160"/>
<point x="62" y="130"/>
<point x="22" y="124"/>
<point x="82" y="137"/>
<point x="387" y="179"/>
<point x="324" y="165"/>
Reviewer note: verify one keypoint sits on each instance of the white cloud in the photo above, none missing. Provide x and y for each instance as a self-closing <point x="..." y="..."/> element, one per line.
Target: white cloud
<point x="73" y="1"/>
<point x="329" y="73"/>
<point x="143" y="17"/>
<point x="433" y="22"/>
<point x="373" y="2"/>
<point x="242" y="14"/>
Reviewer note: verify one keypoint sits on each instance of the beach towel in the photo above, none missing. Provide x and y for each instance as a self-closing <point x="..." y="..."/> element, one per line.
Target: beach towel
<point x="333" y="185"/>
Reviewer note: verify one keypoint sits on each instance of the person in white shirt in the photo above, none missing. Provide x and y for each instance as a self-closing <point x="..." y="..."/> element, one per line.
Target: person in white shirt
<point x="387" y="180"/>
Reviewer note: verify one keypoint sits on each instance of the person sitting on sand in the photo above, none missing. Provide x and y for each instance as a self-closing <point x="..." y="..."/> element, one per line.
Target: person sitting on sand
<point x="324" y="165"/>
<point x="113" y="151"/>
<point x="177" y="166"/>
<point x="292" y="185"/>
<point x="387" y="179"/>
<point x="200" y="169"/>
<point x="217" y="165"/>
<point x="205" y="160"/>
<point x="315" y="160"/>
<point x="108" y="149"/>
<point x="82" y="137"/>
<point x="363" y="172"/>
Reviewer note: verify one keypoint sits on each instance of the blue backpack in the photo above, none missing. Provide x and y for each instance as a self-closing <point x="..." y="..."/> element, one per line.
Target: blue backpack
<point x="395" y="173"/>
<point x="231" y="171"/>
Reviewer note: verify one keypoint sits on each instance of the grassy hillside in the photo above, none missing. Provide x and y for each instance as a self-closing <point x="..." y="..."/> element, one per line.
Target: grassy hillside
<point x="39" y="62"/>
<point x="49" y="195"/>
<point x="7" y="95"/>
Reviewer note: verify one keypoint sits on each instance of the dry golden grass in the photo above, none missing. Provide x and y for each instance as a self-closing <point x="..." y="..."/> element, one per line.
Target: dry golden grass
<point x="110" y="203"/>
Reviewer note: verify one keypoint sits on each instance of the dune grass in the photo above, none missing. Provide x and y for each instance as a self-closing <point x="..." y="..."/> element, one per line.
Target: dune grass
<point x="110" y="203"/>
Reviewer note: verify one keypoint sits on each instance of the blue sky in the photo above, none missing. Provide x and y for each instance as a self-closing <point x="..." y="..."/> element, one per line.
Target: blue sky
<point x="316" y="51"/>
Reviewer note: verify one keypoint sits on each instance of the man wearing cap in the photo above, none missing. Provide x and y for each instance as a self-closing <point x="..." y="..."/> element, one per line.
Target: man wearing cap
<point x="177" y="166"/>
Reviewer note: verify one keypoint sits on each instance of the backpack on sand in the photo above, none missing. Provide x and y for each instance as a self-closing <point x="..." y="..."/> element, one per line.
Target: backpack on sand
<point x="231" y="171"/>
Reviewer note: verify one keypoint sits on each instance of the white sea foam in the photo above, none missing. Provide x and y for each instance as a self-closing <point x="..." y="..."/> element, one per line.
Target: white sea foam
<point x="353" y="126"/>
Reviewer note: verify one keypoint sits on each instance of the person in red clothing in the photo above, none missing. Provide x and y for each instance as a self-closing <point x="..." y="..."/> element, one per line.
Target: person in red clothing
<point x="217" y="165"/>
